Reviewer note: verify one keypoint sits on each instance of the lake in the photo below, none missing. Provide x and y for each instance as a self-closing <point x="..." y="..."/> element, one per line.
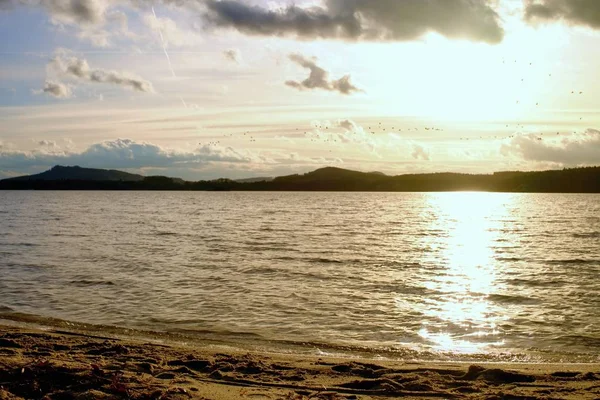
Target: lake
<point x="457" y="276"/>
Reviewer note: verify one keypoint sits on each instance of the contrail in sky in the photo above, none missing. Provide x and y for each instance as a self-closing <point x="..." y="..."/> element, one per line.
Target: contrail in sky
<point x="164" y="46"/>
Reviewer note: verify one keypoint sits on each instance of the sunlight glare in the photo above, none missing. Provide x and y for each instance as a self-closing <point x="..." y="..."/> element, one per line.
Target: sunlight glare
<point x="470" y="276"/>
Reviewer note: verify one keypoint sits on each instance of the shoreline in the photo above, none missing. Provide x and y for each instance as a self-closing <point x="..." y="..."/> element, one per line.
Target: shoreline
<point x="252" y="342"/>
<point x="58" y="364"/>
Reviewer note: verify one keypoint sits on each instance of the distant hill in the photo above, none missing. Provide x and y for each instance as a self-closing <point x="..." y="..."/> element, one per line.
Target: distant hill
<point x="253" y="180"/>
<point x="329" y="179"/>
<point x="59" y="172"/>
<point x="575" y="180"/>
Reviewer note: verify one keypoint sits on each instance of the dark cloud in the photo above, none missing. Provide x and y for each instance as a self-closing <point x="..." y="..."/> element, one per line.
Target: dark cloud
<point x="575" y="12"/>
<point x="305" y="23"/>
<point x="79" y="68"/>
<point x="375" y="20"/>
<point x="319" y="78"/>
<point x="233" y="55"/>
<point x="344" y="86"/>
<point x="348" y="125"/>
<point x="55" y="89"/>
<point x="82" y="12"/>
<point x="577" y="149"/>
<point x="353" y="20"/>
<point x="79" y="11"/>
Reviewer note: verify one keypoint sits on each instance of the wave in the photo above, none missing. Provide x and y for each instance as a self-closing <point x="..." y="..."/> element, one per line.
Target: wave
<point x="578" y="340"/>
<point x="323" y="260"/>
<point x="166" y="233"/>
<point x="511" y="299"/>
<point x="287" y="258"/>
<point x="573" y="261"/>
<point x="262" y="270"/>
<point x="248" y="341"/>
<point x="268" y="248"/>
<point x="402" y="289"/>
<point x="587" y="235"/>
<point x="510" y="259"/>
<point x="87" y="282"/>
<point x="535" y="282"/>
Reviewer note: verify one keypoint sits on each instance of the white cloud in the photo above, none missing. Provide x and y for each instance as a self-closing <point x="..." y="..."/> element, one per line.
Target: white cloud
<point x="99" y="38"/>
<point x="79" y="69"/>
<point x="55" y="89"/>
<point x="345" y="132"/>
<point x="48" y="143"/>
<point x="575" y="149"/>
<point x="419" y="152"/>
<point x="172" y="34"/>
<point x="203" y="162"/>
<point x="120" y="153"/>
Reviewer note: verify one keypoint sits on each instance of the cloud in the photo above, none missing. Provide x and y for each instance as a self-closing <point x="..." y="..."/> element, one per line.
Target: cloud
<point x="86" y="12"/>
<point x="47" y="143"/>
<point x="99" y="38"/>
<point x="120" y="153"/>
<point x="126" y="153"/>
<point x="5" y="4"/>
<point x="171" y="34"/>
<point x="79" y="69"/>
<point x="576" y="149"/>
<point x="371" y="20"/>
<point x="203" y="162"/>
<point x="306" y="23"/>
<point x="55" y="89"/>
<point x="348" y="125"/>
<point x="95" y="21"/>
<point x="233" y="55"/>
<point x="419" y="152"/>
<point x="346" y="132"/>
<point x="575" y="12"/>
<point x="350" y="20"/>
<point x="344" y="86"/>
<point x="319" y="78"/>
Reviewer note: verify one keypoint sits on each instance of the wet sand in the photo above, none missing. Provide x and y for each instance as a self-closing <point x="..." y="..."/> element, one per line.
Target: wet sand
<point x="62" y="365"/>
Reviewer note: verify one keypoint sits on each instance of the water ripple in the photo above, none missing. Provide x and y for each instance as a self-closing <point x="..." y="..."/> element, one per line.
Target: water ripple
<point x="419" y="275"/>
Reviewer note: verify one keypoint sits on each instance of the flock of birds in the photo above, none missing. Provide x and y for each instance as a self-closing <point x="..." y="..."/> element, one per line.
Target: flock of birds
<point x="322" y="136"/>
<point x="333" y="134"/>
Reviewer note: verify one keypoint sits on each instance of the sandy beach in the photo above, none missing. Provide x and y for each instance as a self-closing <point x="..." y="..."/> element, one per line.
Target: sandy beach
<point x="65" y="365"/>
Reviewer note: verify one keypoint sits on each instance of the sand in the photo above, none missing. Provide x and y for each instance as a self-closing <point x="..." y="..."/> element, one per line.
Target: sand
<point x="45" y="364"/>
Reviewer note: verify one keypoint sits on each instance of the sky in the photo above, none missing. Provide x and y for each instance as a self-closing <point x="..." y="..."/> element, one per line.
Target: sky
<point x="202" y="89"/>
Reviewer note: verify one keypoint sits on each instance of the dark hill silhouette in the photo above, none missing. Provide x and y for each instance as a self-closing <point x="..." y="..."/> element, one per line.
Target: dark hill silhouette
<point x="253" y="180"/>
<point x="330" y="179"/>
<point x="60" y="172"/>
<point x="576" y="180"/>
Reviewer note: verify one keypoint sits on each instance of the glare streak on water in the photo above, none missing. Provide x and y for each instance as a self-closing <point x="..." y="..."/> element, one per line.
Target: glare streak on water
<point x="457" y="273"/>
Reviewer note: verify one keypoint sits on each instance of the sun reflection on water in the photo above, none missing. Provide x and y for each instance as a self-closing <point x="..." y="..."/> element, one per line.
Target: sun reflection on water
<point x="460" y="318"/>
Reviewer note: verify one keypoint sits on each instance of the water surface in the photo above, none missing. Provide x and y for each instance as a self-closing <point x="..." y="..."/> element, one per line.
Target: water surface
<point x="446" y="275"/>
